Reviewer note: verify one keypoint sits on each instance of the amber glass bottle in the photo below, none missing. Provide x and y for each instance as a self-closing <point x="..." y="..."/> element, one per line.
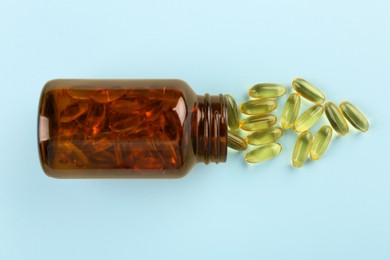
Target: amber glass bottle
<point x="128" y="128"/>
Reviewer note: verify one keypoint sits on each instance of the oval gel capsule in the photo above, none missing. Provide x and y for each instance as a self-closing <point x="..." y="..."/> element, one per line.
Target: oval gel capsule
<point x="267" y="90"/>
<point x="236" y="142"/>
<point x="290" y="111"/>
<point x="265" y="136"/>
<point x="308" y="118"/>
<point x="259" y="122"/>
<point x="302" y="148"/>
<point x="258" y="106"/>
<point x="264" y="153"/>
<point x="233" y="114"/>
<point x="354" y="116"/>
<point x="336" y="118"/>
<point x="321" y="142"/>
<point x="308" y="91"/>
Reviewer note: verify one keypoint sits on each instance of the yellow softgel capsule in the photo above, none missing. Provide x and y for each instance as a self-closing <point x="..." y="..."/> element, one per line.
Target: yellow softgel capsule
<point x="321" y="142"/>
<point x="236" y="142"/>
<point x="308" y="118"/>
<point x="259" y="122"/>
<point x="263" y="153"/>
<point x="233" y="113"/>
<point x="336" y="118"/>
<point x="354" y="116"/>
<point x="290" y="111"/>
<point x="265" y="136"/>
<point x="308" y="91"/>
<point x="302" y="148"/>
<point x="267" y="90"/>
<point x="258" y="106"/>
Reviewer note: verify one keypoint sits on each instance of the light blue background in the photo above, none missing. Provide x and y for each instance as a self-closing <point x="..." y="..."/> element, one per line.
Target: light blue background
<point x="336" y="208"/>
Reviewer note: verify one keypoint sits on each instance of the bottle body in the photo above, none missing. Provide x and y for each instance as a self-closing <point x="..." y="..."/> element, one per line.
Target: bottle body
<point x="128" y="128"/>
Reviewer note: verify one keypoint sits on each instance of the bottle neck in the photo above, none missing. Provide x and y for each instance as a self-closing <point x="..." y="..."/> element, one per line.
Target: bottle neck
<point x="209" y="128"/>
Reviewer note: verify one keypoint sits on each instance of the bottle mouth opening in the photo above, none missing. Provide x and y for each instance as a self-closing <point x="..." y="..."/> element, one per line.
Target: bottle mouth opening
<point x="212" y="128"/>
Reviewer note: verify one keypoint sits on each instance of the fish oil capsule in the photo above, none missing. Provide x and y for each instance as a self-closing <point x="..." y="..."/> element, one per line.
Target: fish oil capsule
<point x="259" y="122"/>
<point x="128" y="128"/>
<point x="258" y="106"/>
<point x="233" y="114"/>
<point x="302" y="148"/>
<point x="308" y="118"/>
<point x="321" y="142"/>
<point x="290" y="111"/>
<point x="267" y="90"/>
<point x="265" y="136"/>
<point x="354" y="116"/>
<point x="336" y="118"/>
<point x="236" y="142"/>
<point x="264" y="153"/>
<point x="308" y="91"/>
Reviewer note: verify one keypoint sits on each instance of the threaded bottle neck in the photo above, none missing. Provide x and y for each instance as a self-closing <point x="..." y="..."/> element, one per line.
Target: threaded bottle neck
<point x="209" y="128"/>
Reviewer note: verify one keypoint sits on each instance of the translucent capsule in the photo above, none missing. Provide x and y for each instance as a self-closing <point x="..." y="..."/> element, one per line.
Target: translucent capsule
<point x="236" y="142"/>
<point x="259" y="122"/>
<point x="308" y="118"/>
<point x="267" y="90"/>
<point x="354" y="116"/>
<point x="233" y="114"/>
<point x="336" y="118"/>
<point x="263" y="153"/>
<point x="308" y="91"/>
<point x="265" y="136"/>
<point x="290" y="111"/>
<point x="258" y="106"/>
<point x="321" y="142"/>
<point x="302" y="148"/>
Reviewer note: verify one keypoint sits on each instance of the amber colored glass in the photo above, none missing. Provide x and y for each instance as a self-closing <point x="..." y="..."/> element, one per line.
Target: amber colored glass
<point x="128" y="128"/>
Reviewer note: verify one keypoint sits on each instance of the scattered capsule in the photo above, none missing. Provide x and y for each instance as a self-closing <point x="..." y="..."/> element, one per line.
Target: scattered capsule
<point x="354" y="116"/>
<point x="321" y="142"/>
<point x="302" y="148"/>
<point x="308" y="91"/>
<point x="267" y="90"/>
<point x="336" y="118"/>
<point x="259" y="122"/>
<point x="290" y="111"/>
<point x="233" y="114"/>
<point x="265" y="136"/>
<point x="308" y="118"/>
<point x="258" y="106"/>
<point x="236" y="142"/>
<point x="263" y="153"/>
